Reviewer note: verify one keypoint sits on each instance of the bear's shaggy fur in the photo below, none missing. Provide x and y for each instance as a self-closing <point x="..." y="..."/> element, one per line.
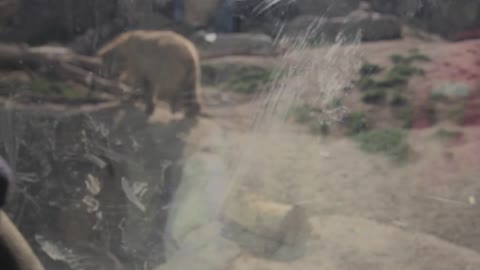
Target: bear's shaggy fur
<point x="165" y="64"/>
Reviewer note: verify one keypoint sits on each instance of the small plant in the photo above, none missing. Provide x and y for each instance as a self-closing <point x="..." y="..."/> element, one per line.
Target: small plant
<point x="306" y="115"/>
<point x="369" y="69"/>
<point x="398" y="99"/>
<point x="335" y="103"/>
<point x="365" y="83"/>
<point x="374" y="96"/>
<point x="399" y="75"/>
<point x="303" y="114"/>
<point x="387" y="141"/>
<point x="397" y="58"/>
<point x="404" y="70"/>
<point x="416" y="55"/>
<point x="50" y="88"/>
<point x="319" y="127"/>
<point x="389" y="85"/>
<point x="356" y="123"/>
<point x="405" y="115"/>
<point x="250" y="81"/>
<point x="447" y="135"/>
<point x="393" y="80"/>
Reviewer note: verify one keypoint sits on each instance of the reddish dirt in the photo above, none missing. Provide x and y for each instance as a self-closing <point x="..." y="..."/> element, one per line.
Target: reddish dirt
<point x="469" y="34"/>
<point x="458" y="62"/>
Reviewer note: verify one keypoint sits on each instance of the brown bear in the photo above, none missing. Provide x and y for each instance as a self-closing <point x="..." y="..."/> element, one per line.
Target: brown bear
<point x="165" y="64"/>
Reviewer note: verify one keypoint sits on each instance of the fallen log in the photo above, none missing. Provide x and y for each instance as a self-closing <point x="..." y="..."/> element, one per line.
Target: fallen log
<point x="59" y="62"/>
<point x="263" y="227"/>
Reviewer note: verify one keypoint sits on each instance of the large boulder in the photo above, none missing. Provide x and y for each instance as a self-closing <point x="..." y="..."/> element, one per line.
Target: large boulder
<point x="340" y="242"/>
<point x="448" y="17"/>
<point x="329" y="8"/>
<point x="268" y="16"/>
<point x="371" y="25"/>
<point x="39" y="21"/>
<point x="215" y="45"/>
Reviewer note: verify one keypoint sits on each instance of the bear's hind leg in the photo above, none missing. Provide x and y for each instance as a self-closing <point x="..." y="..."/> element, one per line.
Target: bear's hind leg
<point x="149" y="97"/>
<point x="174" y="104"/>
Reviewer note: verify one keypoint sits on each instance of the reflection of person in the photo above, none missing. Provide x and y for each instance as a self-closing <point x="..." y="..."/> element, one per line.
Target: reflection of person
<point x="15" y="252"/>
<point x="179" y="10"/>
<point x="224" y="19"/>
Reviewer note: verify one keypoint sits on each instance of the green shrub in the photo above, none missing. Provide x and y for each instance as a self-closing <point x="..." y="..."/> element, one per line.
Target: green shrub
<point x="404" y="70"/>
<point x="447" y="135"/>
<point x="365" y="83"/>
<point x="397" y="99"/>
<point x="397" y="58"/>
<point x="387" y="141"/>
<point x="399" y="75"/>
<point x="396" y="77"/>
<point x="335" y="103"/>
<point x="369" y="69"/>
<point x="405" y="115"/>
<point x="303" y="114"/>
<point x="306" y="115"/>
<point x="319" y="127"/>
<point x="416" y="55"/>
<point x="393" y="80"/>
<point x="51" y="88"/>
<point x="356" y="123"/>
<point x="252" y="80"/>
<point x="374" y="96"/>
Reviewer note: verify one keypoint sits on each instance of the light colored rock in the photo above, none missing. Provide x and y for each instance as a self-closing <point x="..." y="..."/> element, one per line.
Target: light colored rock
<point x="372" y="26"/>
<point x="341" y="242"/>
<point x="446" y="17"/>
<point x="451" y="90"/>
<point x="266" y="228"/>
<point x="193" y="230"/>
<point x="330" y="8"/>
<point x="202" y="189"/>
<point x="235" y="44"/>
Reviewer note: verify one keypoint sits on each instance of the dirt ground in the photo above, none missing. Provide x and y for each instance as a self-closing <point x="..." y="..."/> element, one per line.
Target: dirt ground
<point x="368" y="212"/>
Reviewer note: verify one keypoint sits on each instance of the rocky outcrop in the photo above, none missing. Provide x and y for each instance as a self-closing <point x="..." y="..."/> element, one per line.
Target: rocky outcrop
<point x="329" y="8"/>
<point x="447" y="18"/>
<point x="41" y="21"/>
<point x="371" y="25"/>
<point x="356" y="243"/>
<point x="215" y="45"/>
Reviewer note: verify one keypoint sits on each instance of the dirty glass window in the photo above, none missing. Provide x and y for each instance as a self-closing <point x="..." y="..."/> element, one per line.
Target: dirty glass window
<point x="240" y="134"/>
